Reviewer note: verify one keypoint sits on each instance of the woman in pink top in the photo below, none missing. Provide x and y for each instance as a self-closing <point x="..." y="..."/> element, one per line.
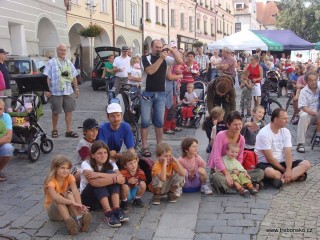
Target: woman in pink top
<point x="190" y="70"/>
<point x="220" y="177"/>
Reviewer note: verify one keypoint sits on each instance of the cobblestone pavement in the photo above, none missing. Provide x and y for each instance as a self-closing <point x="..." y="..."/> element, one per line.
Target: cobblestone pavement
<point x="194" y="216"/>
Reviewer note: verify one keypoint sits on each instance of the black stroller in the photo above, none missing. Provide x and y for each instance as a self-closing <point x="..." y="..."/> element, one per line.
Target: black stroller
<point x="32" y="138"/>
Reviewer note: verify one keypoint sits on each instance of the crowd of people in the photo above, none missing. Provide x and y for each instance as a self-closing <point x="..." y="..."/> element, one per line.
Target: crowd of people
<point x="109" y="179"/>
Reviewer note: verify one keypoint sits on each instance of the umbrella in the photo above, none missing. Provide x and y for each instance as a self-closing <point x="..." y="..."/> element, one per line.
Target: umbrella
<point x="246" y="40"/>
<point x="317" y="46"/>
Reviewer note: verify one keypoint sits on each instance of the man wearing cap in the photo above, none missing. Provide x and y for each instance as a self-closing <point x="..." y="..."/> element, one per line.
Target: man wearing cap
<point x="121" y="66"/>
<point x="154" y="97"/>
<point x="5" y="72"/>
<point x="61" y="74"/>
<point x="116" y="132"/>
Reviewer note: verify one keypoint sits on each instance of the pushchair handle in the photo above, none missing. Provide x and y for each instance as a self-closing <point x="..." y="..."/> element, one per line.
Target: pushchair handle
<point x="14" y="98"/>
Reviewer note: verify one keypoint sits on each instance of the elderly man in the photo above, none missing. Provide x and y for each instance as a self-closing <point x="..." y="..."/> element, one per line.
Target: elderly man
<point x="6" y="149"/>
<point x="154" y="97"/>
<point x="227" y="64"/>
<point x="308" y="104"/>
<point x="274" y="150"/>
<point x="202" y="60"/>
<point x="61" y="74"/>
<point x="121" y="66"/>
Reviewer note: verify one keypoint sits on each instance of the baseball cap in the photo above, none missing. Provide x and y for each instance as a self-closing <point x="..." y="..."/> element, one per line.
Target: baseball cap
<point x="125" y="48"/>
<point x="114" y="108"/>
<point x="89" y="124"/>
<point x="3" y="51"/>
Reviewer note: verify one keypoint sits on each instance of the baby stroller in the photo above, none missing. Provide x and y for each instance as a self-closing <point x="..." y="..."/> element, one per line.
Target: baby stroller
<point x="272" y="82"/>
<point x="30" y="139"/>
<point x="200" y="109"/>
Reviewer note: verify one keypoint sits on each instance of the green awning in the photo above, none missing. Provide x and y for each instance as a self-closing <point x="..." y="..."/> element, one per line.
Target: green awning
<point x="272" y="45"/>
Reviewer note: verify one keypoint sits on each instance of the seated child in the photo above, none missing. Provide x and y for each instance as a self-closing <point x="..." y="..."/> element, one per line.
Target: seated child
<point x="239" y="175"/>
<point x="166" y="180"/>
<point x="134" y="72"/>
<point x="246" y="86"/>
<point x="135" y="181"/>
<point x="195" y="166"/>
<point x="190" y="99"/>
<point x="252" y="126"/>
<point x="62" y="198"/>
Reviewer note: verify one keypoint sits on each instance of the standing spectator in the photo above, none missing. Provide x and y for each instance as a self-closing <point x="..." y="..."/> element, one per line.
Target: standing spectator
<point x="6" y="149"/>
<point x="121" y="66"/>
<point x="155" y="69"/>
<point x="258" y="52"/>
<point x="5" y="72"/>
<point x="228" y="64"/>
<point x="270" y="58"/>
<point x="108" y="73"/>
<point x="61" y="73"/>
<point x="202" y="60"/>
<point x="214" y="60"/>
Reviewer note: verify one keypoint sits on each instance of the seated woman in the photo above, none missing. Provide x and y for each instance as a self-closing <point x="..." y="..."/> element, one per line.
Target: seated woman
<point x="221" y="178"/>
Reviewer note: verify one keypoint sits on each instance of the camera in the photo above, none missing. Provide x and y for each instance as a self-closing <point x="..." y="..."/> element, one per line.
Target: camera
<point x="165" y="50"/>
<point x="65" y="74"/>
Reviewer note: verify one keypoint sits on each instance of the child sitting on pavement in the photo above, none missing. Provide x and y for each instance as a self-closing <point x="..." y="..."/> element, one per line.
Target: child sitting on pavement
<point x="62" y="197"/>
<point x="246" y="98"/>
<point x="196" y="178"/>
<point x="135" y="181"/>
<point x="239" y="175"/>
<point x="190" y="101"/>
<point x="167" y="175"/>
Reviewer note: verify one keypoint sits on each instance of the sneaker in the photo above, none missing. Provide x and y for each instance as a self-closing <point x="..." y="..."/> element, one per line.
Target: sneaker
<point x="188" y="123"/>
<point x="155" y="199"/>
<point x="171" y="197"/>
<point x="85" y="222"/>
<point x="277" y="183"/>
<point x="178" y="192"/>
<point x="244" y="192"/>
<point x="295" y="121"/>
<point x="137" y="202"/>
<point x="112" y="219"/>
<point x="121" y="215"/>
<point x="72" y="226"/>
<point x="124" y="205"/>
<point x="177" y="129"/>
<point x="253" y="191"/>
<point x="206" y="189"/>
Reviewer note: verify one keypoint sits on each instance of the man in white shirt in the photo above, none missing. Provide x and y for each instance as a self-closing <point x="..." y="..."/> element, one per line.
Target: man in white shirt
<point x="121" y="66"/>
<point x="215" y="60"/>
<point x="274" y="150"/>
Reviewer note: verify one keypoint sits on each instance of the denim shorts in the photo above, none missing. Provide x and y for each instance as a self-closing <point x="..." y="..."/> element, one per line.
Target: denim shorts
<point x="132" y="193"/>
<point x="154" y="105"/>
<point x="6" y="150"/>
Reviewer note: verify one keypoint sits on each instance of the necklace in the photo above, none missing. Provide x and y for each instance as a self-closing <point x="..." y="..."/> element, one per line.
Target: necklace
<point x="232" y="139"/>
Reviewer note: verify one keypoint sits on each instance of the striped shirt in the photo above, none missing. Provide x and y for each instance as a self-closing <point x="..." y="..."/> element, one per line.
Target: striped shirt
<point x="53" y="71"/>
<point x="202" y="61"/>
<point x="138" y="175"/>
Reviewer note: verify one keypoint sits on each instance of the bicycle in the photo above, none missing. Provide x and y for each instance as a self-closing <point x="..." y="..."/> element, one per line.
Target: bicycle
<point x="269" y="104"/>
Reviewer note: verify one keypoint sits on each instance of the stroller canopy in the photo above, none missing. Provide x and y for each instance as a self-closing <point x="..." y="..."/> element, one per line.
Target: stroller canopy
<point x="31" y="83"/>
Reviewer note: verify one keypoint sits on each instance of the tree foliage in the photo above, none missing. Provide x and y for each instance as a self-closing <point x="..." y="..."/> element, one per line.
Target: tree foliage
<point x="300" y="16"/>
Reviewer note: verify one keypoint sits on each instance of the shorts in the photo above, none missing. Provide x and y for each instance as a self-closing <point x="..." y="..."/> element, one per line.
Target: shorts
<point x="6" y="150"/>
<point x="7" y="101"/>
<point x="53" y="212"/>
<point x="132" y="193"/>
<point x="263" y="166"/>
<point x="65" y="102"/>
<point x="174" y="181"/>
<point x="256" y="90"/>
<point x="154" y="105"/>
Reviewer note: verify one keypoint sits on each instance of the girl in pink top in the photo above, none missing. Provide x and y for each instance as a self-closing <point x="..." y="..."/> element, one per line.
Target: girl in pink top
<point x="195" y="166"/>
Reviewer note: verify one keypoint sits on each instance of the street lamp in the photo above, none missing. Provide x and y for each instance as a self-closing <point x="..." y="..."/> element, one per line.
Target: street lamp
<point x="91" y="6"/>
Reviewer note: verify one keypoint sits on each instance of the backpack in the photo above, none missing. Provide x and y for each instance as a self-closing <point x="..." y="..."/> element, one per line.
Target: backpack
<point x="250" y="160"/>
<point x="146" y="165"/>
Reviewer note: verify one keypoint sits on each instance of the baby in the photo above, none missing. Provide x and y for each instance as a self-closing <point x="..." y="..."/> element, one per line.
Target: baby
<point x="134" y="72"/>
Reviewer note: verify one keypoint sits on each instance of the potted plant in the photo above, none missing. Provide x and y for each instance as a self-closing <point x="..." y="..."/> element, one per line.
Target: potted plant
<point x="148" y="20"/>
<point x="197" y="44"/>
<point x="164" y="25"/>
<point x="93" y="30"/>
<point x="158" y="23"/>
<point x="219" y="4"/>
<point x="211" y="8"/>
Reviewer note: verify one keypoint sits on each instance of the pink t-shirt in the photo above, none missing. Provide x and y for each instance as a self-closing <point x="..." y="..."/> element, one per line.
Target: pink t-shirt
<point x="301" y="81"/>
<point x="219" y="149"/>
<point x="192" y="164"/>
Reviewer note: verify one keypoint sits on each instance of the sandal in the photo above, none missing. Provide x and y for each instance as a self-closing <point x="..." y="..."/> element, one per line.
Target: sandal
<point x="317" y="140"/>
<point x="72" y="134"/>
<point x="54" y="134"/>
<point x="300" y="148"/>
<point x="145" y="152"/>
<point x="2" y="177"/>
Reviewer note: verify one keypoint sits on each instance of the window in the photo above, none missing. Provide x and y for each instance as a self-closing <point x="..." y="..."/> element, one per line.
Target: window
<point x="134" y="21"/>
<point x="237" y="27"/>
<point x="205" y="26"/>
<point x="103" y="6"/>
<point x="163" y="16"/>
<point x="239" y="6"/>
<point x="181" y="20"/>
<point x="157" y="14"/>
<point x="147" y="10"/>
<point x="198" y="24"/>
<point x="119" y="10"/>
<point x="191" y="24"/>
<point x="212" y="28"/>
<point x="173" y="18"/>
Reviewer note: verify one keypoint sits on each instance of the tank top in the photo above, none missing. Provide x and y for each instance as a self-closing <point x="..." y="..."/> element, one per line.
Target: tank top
<point x="254" y="72"/>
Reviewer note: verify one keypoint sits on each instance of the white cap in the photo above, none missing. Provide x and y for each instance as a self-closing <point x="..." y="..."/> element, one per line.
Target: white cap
<point x="114" y="108"/>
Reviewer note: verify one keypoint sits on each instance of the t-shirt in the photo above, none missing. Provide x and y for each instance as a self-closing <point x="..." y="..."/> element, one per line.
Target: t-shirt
<point x="123" y="64"/>
<point x="268" y="140"/>
<point x="232" y="164"/>
<point x="189" y="97"/>
<point x="137" y="73"/>
<point x="140" y="175"/>
<point x="83" y="150"/>
<point x="156" y="81"/>
<point x="192" y="164"/>
<point x="85" y="165"/>
<point x="108" y="65"/>
<point x="7" y="120"/>
<point x="6" y="75"/>
<point x="115" y="138"/>
<point x="58" y="188"/>
<point x="171" y="169"/>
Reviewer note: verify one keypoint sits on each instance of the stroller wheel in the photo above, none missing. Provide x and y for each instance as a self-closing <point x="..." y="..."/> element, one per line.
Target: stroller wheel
<point x="33" y="151"/>
<point x="197" y="123"/>
<point x="46" y="145"/>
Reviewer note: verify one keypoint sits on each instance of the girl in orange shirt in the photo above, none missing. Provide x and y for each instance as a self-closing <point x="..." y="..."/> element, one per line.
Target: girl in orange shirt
<point x="62" y="198"/>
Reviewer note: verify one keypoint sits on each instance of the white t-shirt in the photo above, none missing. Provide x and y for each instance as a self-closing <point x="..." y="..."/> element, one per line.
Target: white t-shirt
<point x="123" y="64"/>
<point x="266" y="140"/>
<point x="137" y="73"/>
<point x="85" y="165"/>
<point x="189" y="97"/>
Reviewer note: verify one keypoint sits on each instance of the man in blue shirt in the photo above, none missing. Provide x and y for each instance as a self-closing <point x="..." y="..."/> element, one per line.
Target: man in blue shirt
<point x="116" y="132"/>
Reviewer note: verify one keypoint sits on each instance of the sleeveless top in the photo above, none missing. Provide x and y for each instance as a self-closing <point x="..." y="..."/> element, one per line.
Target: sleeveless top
<point x="254" y="72"/>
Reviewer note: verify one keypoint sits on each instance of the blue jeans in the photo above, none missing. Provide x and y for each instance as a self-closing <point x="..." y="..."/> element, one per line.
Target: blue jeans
<point x="155" y="105"/>
<point x="6" y="150"/>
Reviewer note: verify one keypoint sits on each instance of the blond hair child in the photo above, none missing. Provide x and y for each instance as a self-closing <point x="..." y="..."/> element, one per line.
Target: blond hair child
<point x="134" y="72"/>
<point x="190" y="101"/>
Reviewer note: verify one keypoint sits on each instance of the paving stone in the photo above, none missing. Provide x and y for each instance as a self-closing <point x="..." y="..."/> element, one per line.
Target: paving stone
<point x="228" y="229"/>
<point x="236" y="210"/>
<point x="235" y="237"/>
<point x="208" y="236"/>
<point x="144" y="234"/>
<point x="236" y="223"/>
<point x="230" y="216"/>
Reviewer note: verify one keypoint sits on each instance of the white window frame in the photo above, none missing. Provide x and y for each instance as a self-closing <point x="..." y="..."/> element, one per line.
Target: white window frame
<point x="134" y="17"/>
<point x="104" y="6"/>
<point x="120" y="10"/>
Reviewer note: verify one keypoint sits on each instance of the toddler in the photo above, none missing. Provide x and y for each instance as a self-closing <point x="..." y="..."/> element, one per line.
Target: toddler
<point x="195" y="166"/>
<point x="246" y="86"/>
<point x="62" y="198"/>
<point x="134" y="72"/>
<point x="239" y="175"/>
<point x="135" y="181"/>
<point x="167" y="175"/>
<point x="190" y="100"/>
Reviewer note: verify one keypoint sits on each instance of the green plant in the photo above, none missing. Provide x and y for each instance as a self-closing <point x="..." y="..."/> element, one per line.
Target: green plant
<point x="93" y="30"/>
<point x="158" y="23"/>
<point x="164" y="25"/>
<point x="148" y="20"/>
<point x="197" y="44"/>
